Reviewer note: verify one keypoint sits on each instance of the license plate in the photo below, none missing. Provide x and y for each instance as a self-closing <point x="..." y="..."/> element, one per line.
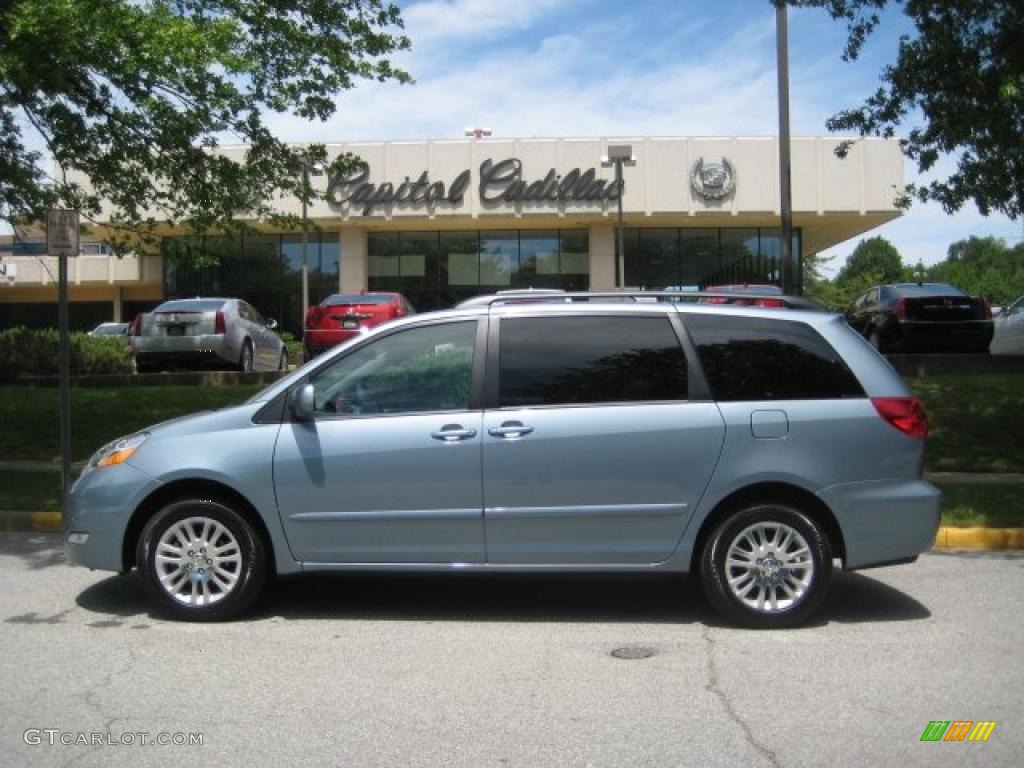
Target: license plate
<point x="175" y="330"/>
<point x="349" y="324"/>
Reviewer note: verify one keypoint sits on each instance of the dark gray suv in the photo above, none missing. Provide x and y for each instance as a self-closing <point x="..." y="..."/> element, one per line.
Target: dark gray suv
<point x="529" y="432"/>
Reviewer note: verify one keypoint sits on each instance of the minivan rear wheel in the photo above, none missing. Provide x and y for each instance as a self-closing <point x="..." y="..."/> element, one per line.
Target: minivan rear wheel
<point x="766" y="566"/>
<point x="200" y="560"/>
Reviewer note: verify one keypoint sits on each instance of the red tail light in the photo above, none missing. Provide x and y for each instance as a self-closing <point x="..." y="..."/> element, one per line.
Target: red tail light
<point x="901" y="309"/>
<point x="904" y="413"/>
<point x="136" y="328"/>
<point x="313" y="316"/>
<point x="219" y="324"/>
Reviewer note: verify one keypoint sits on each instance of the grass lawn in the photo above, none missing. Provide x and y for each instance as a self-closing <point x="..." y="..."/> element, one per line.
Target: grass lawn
<point x="29" y="425"/>
<point x="30" y="491"/>
<point x="976" y="422"/>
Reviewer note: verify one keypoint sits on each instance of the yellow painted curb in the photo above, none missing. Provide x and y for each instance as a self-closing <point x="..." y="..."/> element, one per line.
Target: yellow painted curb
<point x="47" y="521"/>
<point x="949" y="537"/>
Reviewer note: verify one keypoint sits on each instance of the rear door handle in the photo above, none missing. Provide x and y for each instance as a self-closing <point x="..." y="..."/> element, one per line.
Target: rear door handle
<point x="510" y="430"/>
<point x="453" y="433"/>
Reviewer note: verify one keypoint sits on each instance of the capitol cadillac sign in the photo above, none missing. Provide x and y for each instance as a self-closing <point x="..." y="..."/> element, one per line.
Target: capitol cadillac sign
<point x="503" y="182"/>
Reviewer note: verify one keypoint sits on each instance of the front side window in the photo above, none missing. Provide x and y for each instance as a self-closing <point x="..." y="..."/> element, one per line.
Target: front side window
<point x="591" y="359"/>
<point x="415" y="370"/>
<point x="746" y="358"/>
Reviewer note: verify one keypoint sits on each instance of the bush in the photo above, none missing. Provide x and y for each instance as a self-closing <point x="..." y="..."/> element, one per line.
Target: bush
<point x="294" y="347"/>
<point x="35" y="353"/>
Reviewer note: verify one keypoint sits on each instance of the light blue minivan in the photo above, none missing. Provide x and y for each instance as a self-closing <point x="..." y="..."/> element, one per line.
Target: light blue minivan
<point x="583" y="432"/>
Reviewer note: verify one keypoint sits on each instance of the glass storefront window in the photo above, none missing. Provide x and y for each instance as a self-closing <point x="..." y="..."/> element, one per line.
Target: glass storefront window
<point x="439" y="269"/>
<point x="690" y="259"/>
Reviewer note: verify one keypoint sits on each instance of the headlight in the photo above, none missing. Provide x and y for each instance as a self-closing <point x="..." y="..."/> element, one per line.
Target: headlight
<point x="118" y="451"/>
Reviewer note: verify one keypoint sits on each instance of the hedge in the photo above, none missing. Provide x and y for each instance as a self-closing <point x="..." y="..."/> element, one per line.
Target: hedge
<point x="24" y="352"/>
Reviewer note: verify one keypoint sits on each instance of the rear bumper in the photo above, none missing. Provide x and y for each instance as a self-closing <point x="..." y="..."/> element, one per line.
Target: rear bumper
<point x="191" y="351"/>
<point x="885" y="521"/>
<point x="315" y="342"/>
<point x="969" y="336"/>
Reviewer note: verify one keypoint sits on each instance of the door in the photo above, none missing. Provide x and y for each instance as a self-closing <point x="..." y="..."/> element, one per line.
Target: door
<point x="388" y="470"/>
<point x="593" y="453"/>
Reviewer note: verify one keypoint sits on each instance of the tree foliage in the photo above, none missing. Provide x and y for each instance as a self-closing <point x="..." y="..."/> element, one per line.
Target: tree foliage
<point x="875" y="256"/>
<point x="962" y="73"/>
<point x="135" y="96"/>
<point x="983" y="265"/>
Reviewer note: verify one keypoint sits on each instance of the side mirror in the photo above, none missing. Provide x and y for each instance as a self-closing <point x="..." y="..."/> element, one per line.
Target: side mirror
<point x="271" y="323"/>
<point x="302" y="403"/>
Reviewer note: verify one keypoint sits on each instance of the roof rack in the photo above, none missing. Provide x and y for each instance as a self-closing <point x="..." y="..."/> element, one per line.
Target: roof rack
<point x="548" y="296"/>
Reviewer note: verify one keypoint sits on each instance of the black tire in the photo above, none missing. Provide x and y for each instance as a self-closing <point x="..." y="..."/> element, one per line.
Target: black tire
<point x="735" y="531"/>
<point x="282" y="364"/>
<point x="245" y="358"/>
<point x="185" y="597"/>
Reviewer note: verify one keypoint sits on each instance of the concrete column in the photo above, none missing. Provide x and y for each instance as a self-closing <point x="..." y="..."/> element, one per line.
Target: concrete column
<point x="354" y="260"/>
<point x="602" y="257"/>
<point x="117" y="304"/>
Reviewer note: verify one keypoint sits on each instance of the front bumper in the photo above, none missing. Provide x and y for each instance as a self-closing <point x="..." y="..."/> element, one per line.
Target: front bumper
<point x="101" y="504"/>
<point x="885" y="521"/>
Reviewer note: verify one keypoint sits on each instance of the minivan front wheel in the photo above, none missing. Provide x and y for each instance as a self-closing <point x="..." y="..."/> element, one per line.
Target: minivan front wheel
<point x="200" y="560"/>
<point x="766" y="566"/>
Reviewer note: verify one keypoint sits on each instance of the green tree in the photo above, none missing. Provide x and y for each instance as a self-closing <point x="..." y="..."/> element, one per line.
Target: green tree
<point x="876" y="257"/>
<point x="135" y="95"/>
<point x="962" y="72"/>
<point x="983" y="265"/>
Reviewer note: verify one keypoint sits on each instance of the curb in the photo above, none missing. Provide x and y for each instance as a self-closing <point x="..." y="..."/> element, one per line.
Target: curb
<point x="946" y="538"/>
<point x="979" y="538"/>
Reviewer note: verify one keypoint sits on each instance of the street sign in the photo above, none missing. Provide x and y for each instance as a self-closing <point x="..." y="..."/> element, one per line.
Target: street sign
<point x="62" y="232"/>
<point x="62" y="242"/>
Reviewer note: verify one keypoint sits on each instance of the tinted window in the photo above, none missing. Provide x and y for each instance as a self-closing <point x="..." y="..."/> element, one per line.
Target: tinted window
<point x="191" y="305"/>
<point x="340" y="300"/>
<point x="759" y="359"/>
<point x="428" y="368"/>
<point x="571" y="360"/>
<point x="926" y="289"/>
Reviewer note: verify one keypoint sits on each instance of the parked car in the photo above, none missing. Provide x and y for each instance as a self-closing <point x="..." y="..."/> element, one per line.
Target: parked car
<point x="755" y="289"/>
<point x="110" y="329"/>
<point x="750" y="446"/>
<point x="912" y="317"/>
<point x="1008" y="336"/>
<point x="341" y="317"/>
<point x="206" y="333"/>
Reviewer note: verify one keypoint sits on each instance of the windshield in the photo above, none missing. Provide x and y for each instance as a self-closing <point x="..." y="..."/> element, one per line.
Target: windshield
<point x="341" y="300"/>
<point x="191" y="305"/>
<point x="926" y="289"/>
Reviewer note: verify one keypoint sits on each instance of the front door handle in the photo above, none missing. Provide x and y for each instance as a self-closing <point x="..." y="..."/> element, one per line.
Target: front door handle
<point x="453" y="433"/>
<point x="510" y="430"/>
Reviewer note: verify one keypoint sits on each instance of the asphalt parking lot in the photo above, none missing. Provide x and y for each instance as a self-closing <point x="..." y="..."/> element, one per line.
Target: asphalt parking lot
<point x="511" y="671"/>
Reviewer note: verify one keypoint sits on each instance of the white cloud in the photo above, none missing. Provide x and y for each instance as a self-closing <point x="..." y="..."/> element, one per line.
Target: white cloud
<point x="429" y="23"/>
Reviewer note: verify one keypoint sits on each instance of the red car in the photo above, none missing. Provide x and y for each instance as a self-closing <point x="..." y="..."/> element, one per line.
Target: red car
<point x="752" y="288"/>
<point x="341" y="317"/>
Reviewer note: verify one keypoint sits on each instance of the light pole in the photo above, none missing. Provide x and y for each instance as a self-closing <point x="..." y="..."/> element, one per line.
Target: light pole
<point x="308" y="169"/>
<point x="619" y="155"/>
<point x="785" y="205"/>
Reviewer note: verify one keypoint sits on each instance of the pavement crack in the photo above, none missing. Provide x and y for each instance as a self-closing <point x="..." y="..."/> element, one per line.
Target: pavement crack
<point x="712" y="686"/>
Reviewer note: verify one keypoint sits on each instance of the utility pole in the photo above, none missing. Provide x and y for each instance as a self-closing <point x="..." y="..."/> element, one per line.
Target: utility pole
<point x="789" y="284"/>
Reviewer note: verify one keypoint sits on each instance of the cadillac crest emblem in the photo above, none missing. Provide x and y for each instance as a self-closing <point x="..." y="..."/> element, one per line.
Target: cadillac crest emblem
<point x="713" y="181"/>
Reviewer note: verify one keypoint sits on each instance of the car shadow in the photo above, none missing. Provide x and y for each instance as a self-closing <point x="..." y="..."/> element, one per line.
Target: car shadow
<point x="582" y="598"/>
<point x="36" y="550"/>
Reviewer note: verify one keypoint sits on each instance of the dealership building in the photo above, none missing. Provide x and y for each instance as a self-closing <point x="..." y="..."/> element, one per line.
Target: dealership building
<point x="440" y="221"/>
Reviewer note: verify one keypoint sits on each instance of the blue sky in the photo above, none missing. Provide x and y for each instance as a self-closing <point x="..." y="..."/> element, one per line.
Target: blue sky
<point x="646" y="67"/>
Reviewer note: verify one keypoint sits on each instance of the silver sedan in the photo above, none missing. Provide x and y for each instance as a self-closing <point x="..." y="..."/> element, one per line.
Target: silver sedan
<point x="1008" y="338"/>
<point x="206" y="333"/>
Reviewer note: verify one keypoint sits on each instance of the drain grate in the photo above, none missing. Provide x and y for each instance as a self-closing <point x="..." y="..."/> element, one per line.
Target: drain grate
<point x="633" y="652"/>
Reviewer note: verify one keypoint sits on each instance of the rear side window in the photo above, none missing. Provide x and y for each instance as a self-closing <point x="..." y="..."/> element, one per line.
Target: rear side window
<point x="591" y="359"/>
<point x="747" y="358"/>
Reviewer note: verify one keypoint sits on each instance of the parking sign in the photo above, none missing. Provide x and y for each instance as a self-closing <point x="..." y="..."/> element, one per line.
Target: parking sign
<point x="62" y="232"/>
